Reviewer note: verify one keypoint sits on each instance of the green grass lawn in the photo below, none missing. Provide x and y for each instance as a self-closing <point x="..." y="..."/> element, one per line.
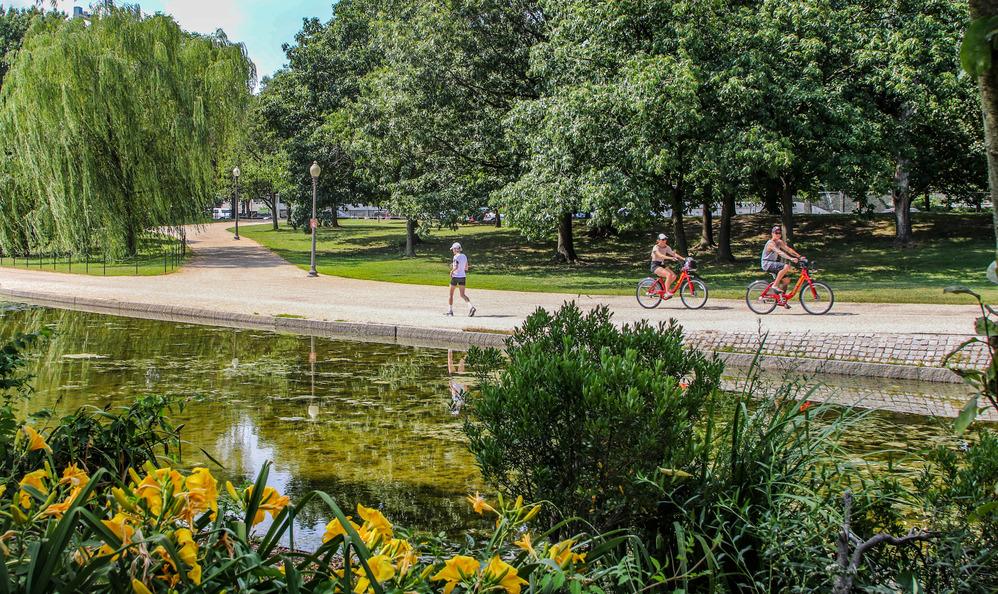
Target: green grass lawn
<point x="854" y="255"/>
<point x="157" y="255"/>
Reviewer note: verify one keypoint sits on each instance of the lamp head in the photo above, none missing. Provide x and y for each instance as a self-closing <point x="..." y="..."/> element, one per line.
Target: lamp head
<point x="236" y="172"/>
<point x="315" y="170"/>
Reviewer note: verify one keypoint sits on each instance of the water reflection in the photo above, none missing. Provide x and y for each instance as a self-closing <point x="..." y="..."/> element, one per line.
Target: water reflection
<point x="365" y="422"/>
<point x="321" y="409"/>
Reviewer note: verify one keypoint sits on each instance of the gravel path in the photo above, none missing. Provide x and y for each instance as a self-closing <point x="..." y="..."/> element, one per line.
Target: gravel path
<point x="244" y="277"/>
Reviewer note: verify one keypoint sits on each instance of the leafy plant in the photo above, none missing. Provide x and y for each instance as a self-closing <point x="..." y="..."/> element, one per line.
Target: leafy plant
<point x="164" y="531"/>
<point x="985" y="381"/>
<point x="582" y="409"/>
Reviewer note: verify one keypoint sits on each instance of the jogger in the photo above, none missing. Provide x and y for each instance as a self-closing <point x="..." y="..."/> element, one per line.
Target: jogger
<point x="458" y="279"/>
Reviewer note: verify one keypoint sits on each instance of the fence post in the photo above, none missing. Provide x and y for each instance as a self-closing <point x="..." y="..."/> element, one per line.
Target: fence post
<point x="105" y="263"/>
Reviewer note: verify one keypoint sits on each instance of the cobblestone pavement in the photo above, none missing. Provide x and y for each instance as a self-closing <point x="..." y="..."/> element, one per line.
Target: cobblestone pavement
<point x="241" y="276"/>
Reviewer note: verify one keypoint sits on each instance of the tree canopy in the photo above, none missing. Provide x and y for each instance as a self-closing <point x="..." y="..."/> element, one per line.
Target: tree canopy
<point x="113" y="125"/>
<point x="631" y="111"/>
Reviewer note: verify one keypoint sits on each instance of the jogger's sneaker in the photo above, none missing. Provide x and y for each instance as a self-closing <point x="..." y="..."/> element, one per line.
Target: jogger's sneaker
<point x="450" y="313"/>
<point x="471" y="312"/>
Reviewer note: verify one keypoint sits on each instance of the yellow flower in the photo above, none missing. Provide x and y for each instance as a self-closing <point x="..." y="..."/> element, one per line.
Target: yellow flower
<point x="139" y="588"/>
<point x="562" y="553"/>
<point x="526" y="544"/>
<point x="157" y="485"/>
<point x="203" y="490"/>
<point x="505" y="574"/>
<point x="382" y="568"/>
<point x="271" y="501"/>
<point x="478" y="504"/>
<point x="374" y="521"/>
<point x="401" y="553"/>
<point x="232" y="491"/>
<point x="35" y="441"/>
<point x="119" y="526"/>
<point x="34" y="480"/>
<point x="335" y="528"/>
<point x="456" y="570"/>
<point x="74" y="477"/>
<point x="57" y="510"/>
<point x="188" y="553"/>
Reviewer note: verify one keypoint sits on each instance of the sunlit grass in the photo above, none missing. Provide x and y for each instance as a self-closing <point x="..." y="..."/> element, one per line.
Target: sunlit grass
<point x="855" y="255"/>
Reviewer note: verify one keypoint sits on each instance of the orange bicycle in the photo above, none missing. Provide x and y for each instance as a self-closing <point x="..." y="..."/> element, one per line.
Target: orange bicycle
<point x="816" y="297"/>
<point x="692" y="291"/>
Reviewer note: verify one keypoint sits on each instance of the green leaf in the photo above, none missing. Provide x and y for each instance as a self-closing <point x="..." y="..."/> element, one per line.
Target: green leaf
<point x="985" y="327"/>
<point x="966" y="416"/>
<point x="960" y="290"/>
<point x="975" y="51"/>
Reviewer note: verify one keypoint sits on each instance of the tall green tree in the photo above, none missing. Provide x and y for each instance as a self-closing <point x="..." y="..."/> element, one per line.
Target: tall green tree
<point x="430" y="120"/>
<point x="263" y="160"/>
<point x="923" y="113"/>
<point x="978" y="59"/>
<point x="14" y="24"/>
<point x="304" y="106"/>
<point x="117" y="124"/>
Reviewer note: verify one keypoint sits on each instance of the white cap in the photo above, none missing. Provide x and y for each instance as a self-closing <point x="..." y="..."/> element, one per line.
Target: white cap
<point x="662" y="236"/>
<point x="456" y="246"/>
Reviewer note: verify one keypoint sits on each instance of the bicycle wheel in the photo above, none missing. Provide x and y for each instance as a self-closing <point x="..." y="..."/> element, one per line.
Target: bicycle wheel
<point x="695" y="298"/>
<point x="756" y="302"/>
<point x="817" y="299"/>
<point x="647" y="293"/>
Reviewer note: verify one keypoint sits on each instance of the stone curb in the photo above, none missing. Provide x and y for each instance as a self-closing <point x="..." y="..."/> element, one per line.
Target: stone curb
<point x="448" y="337"/>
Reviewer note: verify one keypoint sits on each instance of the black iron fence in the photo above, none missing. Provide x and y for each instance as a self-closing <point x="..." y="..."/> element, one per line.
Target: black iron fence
<point x="158" y="254"/>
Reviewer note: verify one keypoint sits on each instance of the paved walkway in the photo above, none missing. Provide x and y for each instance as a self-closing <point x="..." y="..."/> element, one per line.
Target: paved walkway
<point x="244" y="277"/>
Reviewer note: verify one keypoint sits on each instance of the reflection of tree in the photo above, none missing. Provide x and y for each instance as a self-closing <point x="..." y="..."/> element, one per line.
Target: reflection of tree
<point x="327" y="424"/>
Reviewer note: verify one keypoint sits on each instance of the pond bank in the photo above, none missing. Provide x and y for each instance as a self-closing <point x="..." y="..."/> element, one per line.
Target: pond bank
<point x="872" y="355"/>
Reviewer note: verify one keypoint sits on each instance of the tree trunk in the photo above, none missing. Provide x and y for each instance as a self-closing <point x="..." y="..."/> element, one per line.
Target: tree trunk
<point x="273" y="209"/>
<point x="566" y="239"/>
<point x="678" y="229"/>
<point x="707" y="224"/>
<point x="336" y="218"/>
<point x="410" y="238"/>
<point x="771" y="197"/>
<point x="928" y="203"/>
<point x="498" y="219"/>
<point x="901" y="200"/>
<point x="988" y="84"/>
<point x="724" y="233"/>
<point x="787" y="211"/>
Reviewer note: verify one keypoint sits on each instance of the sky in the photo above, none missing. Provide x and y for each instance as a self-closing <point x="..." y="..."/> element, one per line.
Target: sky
<point x="263" y="25"/>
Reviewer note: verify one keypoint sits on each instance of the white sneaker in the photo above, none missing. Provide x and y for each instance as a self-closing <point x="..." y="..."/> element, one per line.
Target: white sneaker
<point x="450" y="313"/>
<point x="471" y="312"/>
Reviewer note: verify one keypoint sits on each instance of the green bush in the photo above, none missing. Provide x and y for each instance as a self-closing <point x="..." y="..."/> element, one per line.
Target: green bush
<point x="583" y="409"/>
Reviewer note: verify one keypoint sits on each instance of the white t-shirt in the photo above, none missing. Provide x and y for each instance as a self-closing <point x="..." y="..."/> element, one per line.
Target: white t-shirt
<point x="460" y="266"/>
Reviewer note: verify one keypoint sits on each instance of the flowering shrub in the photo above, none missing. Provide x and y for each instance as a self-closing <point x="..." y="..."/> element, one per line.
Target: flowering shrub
<point x="162" y="529"/>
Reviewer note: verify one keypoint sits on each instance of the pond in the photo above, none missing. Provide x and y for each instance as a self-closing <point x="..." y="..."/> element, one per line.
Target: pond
<point x="364" y="422"/>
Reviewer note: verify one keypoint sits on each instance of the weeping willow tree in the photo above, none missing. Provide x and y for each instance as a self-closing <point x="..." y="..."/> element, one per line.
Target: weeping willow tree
<point x="112" y="126"/>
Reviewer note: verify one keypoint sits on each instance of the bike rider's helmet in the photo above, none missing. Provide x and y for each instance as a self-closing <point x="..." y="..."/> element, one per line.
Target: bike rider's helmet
<point x="663" y="237"/>
<point x="776" y="229"/>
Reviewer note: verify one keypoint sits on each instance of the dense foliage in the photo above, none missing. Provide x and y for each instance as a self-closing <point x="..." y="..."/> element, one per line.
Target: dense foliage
<point x="625" y="428"/>
<point x="632" y="110"/>
<point x="584" y="408"/>
<point x="146" y="110"/>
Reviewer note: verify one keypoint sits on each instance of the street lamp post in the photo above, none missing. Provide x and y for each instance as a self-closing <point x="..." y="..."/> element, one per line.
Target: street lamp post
<point x="235" y="200"/>
<point x="314" y="171"/>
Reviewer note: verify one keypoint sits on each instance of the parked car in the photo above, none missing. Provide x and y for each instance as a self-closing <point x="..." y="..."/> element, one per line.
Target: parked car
<point x="220" y="214"/>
